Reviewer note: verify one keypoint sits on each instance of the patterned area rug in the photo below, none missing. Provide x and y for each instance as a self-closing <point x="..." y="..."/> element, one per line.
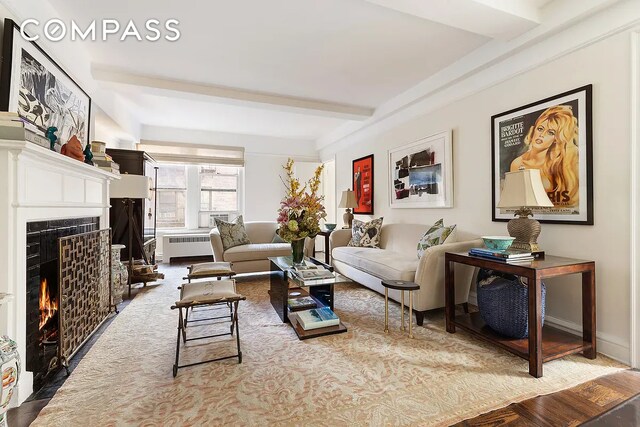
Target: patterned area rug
<point x="362" y="377"/>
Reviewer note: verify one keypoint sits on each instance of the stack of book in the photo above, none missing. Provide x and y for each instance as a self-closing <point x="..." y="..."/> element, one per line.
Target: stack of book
<point x="101" y="159"/>
<point x="33" y="134"/>
<point x="310" y="271"/>
<point x="508" y="255"/>
<point x="301" y="303"/>
<point x="317" y="318"/>
<point x="11" y="126"/>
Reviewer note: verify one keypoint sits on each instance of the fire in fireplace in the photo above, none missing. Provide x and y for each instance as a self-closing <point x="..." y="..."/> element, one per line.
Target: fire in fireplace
<point x="48" y="302"/>
<point x="43" y="334"/>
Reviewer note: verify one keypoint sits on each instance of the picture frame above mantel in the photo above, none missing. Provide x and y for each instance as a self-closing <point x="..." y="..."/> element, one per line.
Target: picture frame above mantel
<point x="40" y="91"/>
<point x="421" y="173"/>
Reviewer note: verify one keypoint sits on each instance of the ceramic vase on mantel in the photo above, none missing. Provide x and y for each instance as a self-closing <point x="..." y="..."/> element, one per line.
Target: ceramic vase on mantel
<point x="297" y="251"/>
<point x="119" y="274"/>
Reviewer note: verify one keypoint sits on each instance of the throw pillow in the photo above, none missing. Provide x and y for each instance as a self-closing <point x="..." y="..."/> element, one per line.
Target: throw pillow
<point x="277" y="238"/>
<point x="436" y="235"/>
<point x="366" y="234"/>
<point x="232" y="233"/>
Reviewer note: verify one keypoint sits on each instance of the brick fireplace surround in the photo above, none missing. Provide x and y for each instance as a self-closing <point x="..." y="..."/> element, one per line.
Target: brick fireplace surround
<point x="38" y="185"/>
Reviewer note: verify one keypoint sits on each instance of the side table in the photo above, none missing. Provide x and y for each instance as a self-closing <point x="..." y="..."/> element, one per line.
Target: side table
<point x="544" y="344"/>
<point x="326" y="234"/>
<point x="400" y="285"/>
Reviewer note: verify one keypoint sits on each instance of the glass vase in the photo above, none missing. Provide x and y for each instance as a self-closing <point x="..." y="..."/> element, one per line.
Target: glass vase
<point x="297" y="250"/>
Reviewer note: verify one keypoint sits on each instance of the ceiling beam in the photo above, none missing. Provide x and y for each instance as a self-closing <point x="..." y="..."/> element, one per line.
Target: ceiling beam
<point x="228" y="95"/>
<point x="496" y="19"/>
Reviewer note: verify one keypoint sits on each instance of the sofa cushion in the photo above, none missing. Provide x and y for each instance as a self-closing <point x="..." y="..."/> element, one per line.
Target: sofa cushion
<point x="381" y="263"/>
<point x="257" y="251"/>
<point x="232" y="233"/>
<point x="366" y="234"/>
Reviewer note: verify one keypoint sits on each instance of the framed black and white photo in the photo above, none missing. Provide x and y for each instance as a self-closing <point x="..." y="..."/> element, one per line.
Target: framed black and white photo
<point x="554" y="136"/>
<point x="43" y="94"/>
<point x="421" y="173"/>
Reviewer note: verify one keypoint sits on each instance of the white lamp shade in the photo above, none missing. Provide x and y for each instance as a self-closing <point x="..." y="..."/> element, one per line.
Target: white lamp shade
<point x="131" y="187"/>
<point x="348" y="200"/>
<point x="523" y="188"/>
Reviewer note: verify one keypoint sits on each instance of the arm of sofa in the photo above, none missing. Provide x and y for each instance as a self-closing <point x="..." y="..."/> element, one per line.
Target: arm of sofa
<point x="430" y="273"/>
<point x="216" y="245"/>
<point x="339" y="238"/>
<point x="309" y="245"/>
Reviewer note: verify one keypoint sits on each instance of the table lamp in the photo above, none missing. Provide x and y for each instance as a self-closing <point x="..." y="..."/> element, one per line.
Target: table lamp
<point x="348" y="201"/>
<point x="523" y="190"/>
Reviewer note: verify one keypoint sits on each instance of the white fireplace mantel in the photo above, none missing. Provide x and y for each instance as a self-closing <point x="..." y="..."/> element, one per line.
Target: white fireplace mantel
<point x="35" y="185"/>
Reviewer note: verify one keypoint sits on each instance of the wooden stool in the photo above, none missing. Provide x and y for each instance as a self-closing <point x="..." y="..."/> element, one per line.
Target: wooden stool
<point x="401" y="285"/>
<point x="206" y="270"/>
<point x="202" y="294"/>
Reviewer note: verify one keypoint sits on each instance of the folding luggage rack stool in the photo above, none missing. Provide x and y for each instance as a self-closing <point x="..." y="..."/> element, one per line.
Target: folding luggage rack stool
<point x="208" y="294"/>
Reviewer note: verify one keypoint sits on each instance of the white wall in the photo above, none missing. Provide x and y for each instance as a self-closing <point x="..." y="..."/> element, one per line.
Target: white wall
<point x="263" y="187"/>
<point x="606" y="65"/>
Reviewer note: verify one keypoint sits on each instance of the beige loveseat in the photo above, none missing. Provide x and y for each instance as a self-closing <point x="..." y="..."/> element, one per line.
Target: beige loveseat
<point x="397" y="259"/>
<point x="252" y="258"/>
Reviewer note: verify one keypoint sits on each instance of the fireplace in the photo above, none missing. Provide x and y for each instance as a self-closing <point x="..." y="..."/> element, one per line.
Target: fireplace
<point x="43" y="293"/>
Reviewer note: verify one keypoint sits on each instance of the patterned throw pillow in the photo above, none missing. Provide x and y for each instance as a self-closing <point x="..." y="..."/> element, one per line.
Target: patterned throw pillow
<point x="436" y="235"/>
<point x="366" y="234"/>
<point x="232" y="233"/>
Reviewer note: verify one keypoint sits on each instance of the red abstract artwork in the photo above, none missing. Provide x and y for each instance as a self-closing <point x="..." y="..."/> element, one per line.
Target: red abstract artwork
<point x="362" y="173"/>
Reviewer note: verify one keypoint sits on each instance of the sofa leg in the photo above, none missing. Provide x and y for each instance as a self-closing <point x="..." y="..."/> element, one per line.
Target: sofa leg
<point x="419" y="317"/>
<point x="465" y="307"/>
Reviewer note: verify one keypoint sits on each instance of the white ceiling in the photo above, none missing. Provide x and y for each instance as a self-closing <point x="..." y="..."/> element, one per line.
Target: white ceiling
<point x="288" y="68"/>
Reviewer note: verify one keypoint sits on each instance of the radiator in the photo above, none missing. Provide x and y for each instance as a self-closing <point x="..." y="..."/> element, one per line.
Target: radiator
<point x="185" y="245"/>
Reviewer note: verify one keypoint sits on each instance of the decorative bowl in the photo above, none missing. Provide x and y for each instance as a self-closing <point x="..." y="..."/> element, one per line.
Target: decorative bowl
<point x="329" y="226"/>
<point x="499" y="243"/>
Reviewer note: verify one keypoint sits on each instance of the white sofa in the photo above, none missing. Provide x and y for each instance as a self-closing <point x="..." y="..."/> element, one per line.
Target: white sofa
<point x="397" y="259"/>
<point x="252" y="258"/>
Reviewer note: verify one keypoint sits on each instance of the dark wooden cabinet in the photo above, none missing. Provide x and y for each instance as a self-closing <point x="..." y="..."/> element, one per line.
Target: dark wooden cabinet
<point x="144" y="210"/>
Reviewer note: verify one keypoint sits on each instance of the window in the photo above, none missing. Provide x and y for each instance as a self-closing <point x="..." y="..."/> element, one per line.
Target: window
<point x="218" y="191"/>
<point x="172" y="196"/>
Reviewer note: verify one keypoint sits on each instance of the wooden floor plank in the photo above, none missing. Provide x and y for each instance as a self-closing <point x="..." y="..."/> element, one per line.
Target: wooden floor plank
<point x="570" y="407"/>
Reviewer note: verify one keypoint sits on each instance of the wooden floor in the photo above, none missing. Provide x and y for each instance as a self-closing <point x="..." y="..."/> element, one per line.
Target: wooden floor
<point x="569" y="407"/>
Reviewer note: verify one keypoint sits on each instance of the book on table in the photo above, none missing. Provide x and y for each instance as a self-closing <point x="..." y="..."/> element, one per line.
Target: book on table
<point x="504" y="254"/>
<point x="523" y="259"/>
<point x="316" y="318"/>
<point x="310" y="271"/>
<point x="301" y="303"/>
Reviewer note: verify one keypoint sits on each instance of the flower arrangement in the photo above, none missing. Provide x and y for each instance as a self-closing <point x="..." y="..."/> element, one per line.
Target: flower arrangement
<point x="300" y="211"/>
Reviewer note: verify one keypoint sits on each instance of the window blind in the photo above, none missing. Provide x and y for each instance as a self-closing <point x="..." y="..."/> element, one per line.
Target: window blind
<point x="176" y="152"/>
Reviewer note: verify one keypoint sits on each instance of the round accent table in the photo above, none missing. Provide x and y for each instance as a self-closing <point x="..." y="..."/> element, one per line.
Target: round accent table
<point x="402" y="286"/>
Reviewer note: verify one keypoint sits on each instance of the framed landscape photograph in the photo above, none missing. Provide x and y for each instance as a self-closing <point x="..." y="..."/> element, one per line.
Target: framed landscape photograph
<point x="421" y="173"/>
<point x="362" y="174"/>
<point x="553" y="135"/>
<point x="41" y="92"/>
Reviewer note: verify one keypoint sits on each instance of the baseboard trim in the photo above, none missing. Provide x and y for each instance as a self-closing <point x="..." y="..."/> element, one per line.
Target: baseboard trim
<point x="608" y="345"/>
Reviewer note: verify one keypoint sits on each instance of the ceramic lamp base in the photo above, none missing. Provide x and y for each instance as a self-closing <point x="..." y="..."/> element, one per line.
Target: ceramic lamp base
<point x="348" y="218"/>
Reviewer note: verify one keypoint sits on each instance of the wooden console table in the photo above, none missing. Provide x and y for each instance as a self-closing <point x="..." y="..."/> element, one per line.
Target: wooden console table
<point x="543" y="344"/>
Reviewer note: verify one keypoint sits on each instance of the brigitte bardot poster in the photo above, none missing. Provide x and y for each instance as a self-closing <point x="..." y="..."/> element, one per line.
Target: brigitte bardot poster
<point x="554" y="136"/>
